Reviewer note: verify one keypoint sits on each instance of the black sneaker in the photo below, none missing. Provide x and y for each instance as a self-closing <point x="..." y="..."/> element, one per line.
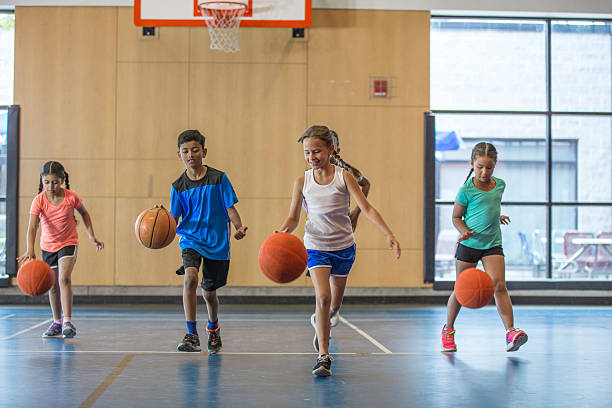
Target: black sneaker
<point x="190" y="343"/>
<point x="323" y="366"/>
<point x="214" y="340"/>
<point x="181" y="270"/>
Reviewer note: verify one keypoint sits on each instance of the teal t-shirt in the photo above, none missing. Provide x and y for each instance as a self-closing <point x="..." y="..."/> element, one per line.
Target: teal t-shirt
<point x="482" y="212"/>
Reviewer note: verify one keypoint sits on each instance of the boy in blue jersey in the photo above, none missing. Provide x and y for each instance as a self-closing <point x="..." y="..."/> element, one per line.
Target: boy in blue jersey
<point x="203" y="198"/>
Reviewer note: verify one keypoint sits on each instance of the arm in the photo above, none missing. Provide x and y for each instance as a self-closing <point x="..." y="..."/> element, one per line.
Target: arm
<point x="370" y="212"/>
<point x="458" y="211"/>
<point x="232" y="212"/>
<point x="87" y="221"/>
<point x="31" y="237"/>
<point x="364" y="183"/>
<point x="293" y="219"/>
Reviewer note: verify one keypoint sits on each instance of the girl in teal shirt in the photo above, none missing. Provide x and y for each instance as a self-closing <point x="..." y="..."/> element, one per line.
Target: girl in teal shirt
<point x="477" y="217"/>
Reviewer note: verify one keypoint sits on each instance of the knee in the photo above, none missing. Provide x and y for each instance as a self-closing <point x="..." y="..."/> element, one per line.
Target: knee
<point x="190" y="281"/>
<point x="500" y="287"/>
<point x="324" y="300"/>
<point x="65" y="280"/>
<point x="210" y="295"/>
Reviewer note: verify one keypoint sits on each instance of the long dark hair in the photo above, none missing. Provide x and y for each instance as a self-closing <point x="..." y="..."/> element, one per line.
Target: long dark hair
<point x="482" y="149"/>
<point x="338" y="161"/>
<point x="55" y="168"/>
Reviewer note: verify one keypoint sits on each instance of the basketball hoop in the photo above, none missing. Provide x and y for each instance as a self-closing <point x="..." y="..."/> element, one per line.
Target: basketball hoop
<point x="223" y="19"/>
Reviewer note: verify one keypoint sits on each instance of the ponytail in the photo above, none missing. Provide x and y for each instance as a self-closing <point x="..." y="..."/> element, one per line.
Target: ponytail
<point x="469" y="174"/>
<point x="337" y="160"/>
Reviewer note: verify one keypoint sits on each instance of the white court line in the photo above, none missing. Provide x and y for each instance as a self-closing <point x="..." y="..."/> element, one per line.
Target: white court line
<point x="167" y="352"/>
<point x="366" y="335"/>
<point x="7" y="316"/>
<point x="28" y="329"/>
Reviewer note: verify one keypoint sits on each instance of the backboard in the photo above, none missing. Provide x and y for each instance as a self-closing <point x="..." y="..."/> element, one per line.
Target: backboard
<point x="260" y="13"/>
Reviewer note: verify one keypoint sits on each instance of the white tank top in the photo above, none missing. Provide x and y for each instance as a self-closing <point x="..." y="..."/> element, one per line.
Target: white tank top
<point x="328" y="226"/>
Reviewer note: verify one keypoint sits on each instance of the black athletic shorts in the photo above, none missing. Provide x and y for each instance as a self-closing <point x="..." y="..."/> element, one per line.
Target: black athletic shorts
<point x="471" y="255"/>
<point x="52" y="258"/>
<point x="214" y="272"/>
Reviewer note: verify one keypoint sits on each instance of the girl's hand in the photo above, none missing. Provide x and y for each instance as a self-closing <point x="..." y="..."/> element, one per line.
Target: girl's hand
<point x="286" y="229"/>
<point x="28" y="256"/>
<point x="466" y="235"/>
<point x="504" y="220"/>
<point x="240" y="232"/>
<point x="99" y="244"/>
<point x="394" y="244"/>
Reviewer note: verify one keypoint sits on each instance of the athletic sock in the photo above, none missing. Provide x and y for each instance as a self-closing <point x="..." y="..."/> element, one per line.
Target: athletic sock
<point x="212" y="325"/>
<point x="192" y="327"/>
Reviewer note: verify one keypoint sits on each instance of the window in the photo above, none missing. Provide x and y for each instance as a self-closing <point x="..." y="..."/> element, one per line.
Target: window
<point x="540" y="90"/>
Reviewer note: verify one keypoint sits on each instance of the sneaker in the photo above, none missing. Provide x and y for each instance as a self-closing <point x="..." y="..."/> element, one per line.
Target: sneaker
<point x="68" y="330"/>
<point x="448" y="339"/>
<point x="515" y="338"/>
<point x="315" y="342"/>
<point x="214" y="340"/>
<point x="55" y="330"/>
<point x="181" y="270"/>
<point x="334" y="318"/>
<point x="323" y="366"/>
<point x="190" y="343"/>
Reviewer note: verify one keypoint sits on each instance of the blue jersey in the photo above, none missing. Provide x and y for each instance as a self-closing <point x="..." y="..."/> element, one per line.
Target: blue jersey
<point x="202" y="206"/>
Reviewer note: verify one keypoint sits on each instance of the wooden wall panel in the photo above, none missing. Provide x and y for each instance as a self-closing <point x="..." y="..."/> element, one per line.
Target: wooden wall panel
<point x="65" y="81"/>
<point x="380" y="268"/>
<point x="149" y="178"/>
<point x="151" y="109"/>
<point x="252" y="116"/>
<point x="257" y="45"/>
<point x="170" y="45"/>
<point x="346" y="46"/>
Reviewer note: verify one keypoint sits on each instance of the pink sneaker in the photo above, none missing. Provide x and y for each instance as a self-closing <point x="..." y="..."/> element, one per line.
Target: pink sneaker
<point x="515" y="338"/>
<point x="448" y="339"/>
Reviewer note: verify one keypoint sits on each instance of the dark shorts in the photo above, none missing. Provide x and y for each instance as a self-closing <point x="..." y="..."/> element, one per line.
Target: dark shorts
<point x="340" y="261"/>
<point x="471" y="255"/>
<point x="214" y="272"/>
<point x="52" y="258"/>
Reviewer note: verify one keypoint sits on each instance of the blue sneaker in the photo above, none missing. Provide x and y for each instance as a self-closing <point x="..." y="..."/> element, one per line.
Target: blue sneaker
<point x="68" y="330"/>
<point x="55" y="330"/>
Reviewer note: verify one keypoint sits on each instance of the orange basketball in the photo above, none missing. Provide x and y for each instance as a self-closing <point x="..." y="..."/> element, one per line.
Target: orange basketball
<point x="282" y="257"/>
<point x="474" y="288"/>
<point x="35" y="278"/>
<point x="155" y="227"/>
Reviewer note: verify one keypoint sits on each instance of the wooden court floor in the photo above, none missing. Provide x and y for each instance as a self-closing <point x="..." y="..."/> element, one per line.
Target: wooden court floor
<point x="125" y="356"/>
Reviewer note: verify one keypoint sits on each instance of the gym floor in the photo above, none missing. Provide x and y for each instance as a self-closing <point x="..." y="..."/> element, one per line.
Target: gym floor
<point x="125" y="356"/>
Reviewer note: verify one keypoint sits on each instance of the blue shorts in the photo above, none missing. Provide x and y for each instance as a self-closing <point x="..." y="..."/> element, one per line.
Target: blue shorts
<point x="340" y="261"/>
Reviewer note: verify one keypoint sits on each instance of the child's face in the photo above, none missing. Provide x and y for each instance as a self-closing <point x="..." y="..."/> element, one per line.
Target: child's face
<point x="483" y="168"/>
<point x="192" y="154"/>
<point x="51" y="183"/>
<point x="316" y="152"/>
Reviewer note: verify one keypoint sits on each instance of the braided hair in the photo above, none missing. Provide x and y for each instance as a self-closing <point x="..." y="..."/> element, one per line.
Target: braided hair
<point x="338" y="161"/>
<point x="482" y="149"/>
<point x="55" y="168"/>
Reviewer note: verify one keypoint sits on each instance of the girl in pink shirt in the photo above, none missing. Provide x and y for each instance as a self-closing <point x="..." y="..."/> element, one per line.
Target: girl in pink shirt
<point x="53" y="208"/>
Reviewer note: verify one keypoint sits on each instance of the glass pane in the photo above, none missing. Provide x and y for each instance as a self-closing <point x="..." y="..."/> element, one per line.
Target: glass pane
<point x="523" y="241"/>
<point x="582" y="164"/>
<point x="520" y="141"/>
<point x="581" y="66"/>
<point x="487" y="64"/>
<point x="7" y="45"/>
<point x="583" y="243"/>
<point x="3" y="150"/>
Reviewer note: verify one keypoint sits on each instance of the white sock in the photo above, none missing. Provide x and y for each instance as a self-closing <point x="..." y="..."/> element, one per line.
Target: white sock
<point x="66" y="320"/>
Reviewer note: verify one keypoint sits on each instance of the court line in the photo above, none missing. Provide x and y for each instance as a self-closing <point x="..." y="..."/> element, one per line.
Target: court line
<point x="366" y="335"/>
<point x="93" y="397"/>
<point x="7" y="316"/>
<point x="153" y="352"/>
<point x="28" y="329"/>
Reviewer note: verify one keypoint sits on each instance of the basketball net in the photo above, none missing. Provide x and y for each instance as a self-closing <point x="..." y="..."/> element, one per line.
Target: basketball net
<point x="223" y="19"/>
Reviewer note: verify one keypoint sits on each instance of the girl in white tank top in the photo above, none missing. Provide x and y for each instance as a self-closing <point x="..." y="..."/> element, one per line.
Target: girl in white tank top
<point x="324" y="192"/>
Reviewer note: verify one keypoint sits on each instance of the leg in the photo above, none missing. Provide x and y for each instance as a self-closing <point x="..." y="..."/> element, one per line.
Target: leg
<point x="453" y="306"/>
<point x="212" y="304"/>
<point x="496" y="268"/>
<point x="66" y="265"/>
<point x="54" y="298"/>
<point x="320" y="279"/>
<point x="337" y="284"/>
<point x="190" y="282"/>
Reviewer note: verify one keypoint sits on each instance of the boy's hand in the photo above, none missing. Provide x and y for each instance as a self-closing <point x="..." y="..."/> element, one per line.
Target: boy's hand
<point x="466" y="235"/>
<point x="504" y="220"/>
<point x="241" y="232"/>
<point x="394" y="244"/>
<point x="99" y="244"/>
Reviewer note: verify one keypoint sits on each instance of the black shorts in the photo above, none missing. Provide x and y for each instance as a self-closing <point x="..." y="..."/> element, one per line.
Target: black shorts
<point x="471" y="255"/>
<point x="52" y="258"/>
<point x="214" y="272"/>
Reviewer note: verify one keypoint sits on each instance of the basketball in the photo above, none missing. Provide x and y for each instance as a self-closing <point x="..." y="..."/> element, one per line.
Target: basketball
<point x="155" y="228"/>
<point x="474" y="288"/>
<point x="35" y="278"/>
<point x="282" y="257"/>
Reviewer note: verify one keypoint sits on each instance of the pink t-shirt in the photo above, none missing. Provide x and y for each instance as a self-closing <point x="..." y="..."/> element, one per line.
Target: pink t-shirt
<point x="57" y="224"/>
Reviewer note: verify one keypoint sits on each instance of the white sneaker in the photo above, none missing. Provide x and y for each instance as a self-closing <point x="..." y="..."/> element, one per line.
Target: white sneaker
<point x="334" y="318"/>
